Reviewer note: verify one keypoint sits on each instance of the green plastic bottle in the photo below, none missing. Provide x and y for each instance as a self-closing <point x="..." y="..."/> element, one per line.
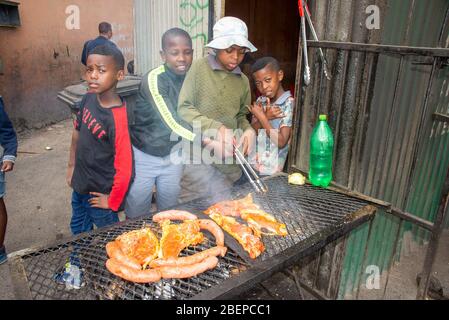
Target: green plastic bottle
<point x="321" y="154"/>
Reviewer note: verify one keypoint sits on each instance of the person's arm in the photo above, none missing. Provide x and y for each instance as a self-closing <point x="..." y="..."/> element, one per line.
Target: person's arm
<point x="72" y="155"/>
<point x="280" y="137"/>
<point x="77" y="122"/>
<point x="287" y="122"/>
<point x="158" y="94"/>
<point x="8" y="140"/>
<point x="123" y="162"/>
<point x="256" y="124"/>
<point x="272" y="112"/>
<point x="247" y="141"/>
<point x="245" y="103"/>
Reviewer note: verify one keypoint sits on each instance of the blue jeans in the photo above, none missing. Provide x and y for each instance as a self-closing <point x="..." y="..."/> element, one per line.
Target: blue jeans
<point x="84" y="217"/>
<point x="150" y="171"/>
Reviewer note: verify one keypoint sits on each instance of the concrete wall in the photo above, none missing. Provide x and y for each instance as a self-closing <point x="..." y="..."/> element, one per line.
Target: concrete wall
<point x="42" y="56"/>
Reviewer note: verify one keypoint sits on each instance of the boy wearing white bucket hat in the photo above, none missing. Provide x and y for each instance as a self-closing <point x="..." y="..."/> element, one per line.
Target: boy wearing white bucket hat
<point x="216" y="95"/>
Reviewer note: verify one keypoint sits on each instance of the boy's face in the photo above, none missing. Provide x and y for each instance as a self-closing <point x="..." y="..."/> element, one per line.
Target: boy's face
<point x="268" y="81"/>
<point x="178" y="54"/>
<point x="231" y="57"/>
<point x="102" y="74"/>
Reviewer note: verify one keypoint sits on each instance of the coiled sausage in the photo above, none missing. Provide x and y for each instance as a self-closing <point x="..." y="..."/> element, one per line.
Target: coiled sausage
<point x="189" y="271"/>
<point x="189" y="260"/>
<point x="133" y="275"/>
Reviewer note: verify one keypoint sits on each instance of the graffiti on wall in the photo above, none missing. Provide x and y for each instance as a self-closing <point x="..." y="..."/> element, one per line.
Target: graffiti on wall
<point x="192" y="14"/>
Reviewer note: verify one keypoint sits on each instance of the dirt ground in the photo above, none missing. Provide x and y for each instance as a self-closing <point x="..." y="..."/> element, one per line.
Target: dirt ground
<point x="38" y="202"/>
<point x="402" y="283"/>
<point x="38" y="199"/>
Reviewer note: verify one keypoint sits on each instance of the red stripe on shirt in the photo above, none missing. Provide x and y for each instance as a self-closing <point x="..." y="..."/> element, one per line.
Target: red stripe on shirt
<point x="123" y="159"/>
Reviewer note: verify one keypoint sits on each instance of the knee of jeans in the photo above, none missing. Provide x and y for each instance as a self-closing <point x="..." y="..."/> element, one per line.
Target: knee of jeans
<point x="102" y="217"/>
<point x="81" y="226"/>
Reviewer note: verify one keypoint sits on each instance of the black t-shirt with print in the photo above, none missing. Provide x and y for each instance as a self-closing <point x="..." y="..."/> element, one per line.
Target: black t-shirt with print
<point x="103" y="160"/>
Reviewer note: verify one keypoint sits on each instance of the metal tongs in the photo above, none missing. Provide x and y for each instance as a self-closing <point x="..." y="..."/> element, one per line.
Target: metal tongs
<point x="304" y="43"/>
<point x="305" y="13"/>
<point x="252" y="176"/>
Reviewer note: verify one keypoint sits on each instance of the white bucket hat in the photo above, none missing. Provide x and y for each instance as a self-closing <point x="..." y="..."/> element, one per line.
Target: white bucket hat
<point x="229" y="31"/>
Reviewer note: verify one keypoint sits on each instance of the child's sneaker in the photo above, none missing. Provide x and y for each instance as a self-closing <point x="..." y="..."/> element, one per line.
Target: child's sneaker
<point x="3" y="256"/>
<point x="71" y="275"/>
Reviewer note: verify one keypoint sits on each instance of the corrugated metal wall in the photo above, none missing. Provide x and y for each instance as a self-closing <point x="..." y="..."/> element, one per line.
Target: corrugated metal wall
<point x="391" y="139"/>
<point x="153" y="17"/>
<point x="387" y="171"/>
<point x="376" y="103"/>
<point x="434" y="156"/>
<point x="433" y="160"/>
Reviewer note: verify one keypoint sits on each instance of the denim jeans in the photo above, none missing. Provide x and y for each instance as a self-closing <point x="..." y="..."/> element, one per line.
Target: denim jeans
<point x="84" y="217"/>
<point x="150" y="171"/>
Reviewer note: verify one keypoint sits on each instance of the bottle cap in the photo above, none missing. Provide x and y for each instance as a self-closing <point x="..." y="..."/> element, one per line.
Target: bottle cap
<point x="323" y="117"/>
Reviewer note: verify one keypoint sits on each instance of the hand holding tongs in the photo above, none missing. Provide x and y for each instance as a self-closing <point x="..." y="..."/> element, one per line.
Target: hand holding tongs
<point x="305" y="13"/>
<point x="255" y="181"/>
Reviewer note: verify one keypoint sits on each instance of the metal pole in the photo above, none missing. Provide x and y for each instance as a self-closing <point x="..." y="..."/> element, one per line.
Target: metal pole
<point x="297" y="113"/>
<point x="434" y="240"/>
<point x="380" y="48"/>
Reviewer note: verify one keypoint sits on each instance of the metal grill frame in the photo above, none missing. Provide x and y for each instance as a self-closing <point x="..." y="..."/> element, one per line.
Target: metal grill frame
<point x="255" y="271"/>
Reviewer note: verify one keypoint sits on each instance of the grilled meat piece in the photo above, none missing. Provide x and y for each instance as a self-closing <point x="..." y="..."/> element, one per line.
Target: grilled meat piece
<point x="242" y="233"/>
<point x="177" y="237"/>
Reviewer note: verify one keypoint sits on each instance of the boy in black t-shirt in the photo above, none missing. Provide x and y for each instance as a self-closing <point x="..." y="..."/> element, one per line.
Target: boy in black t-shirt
<point x="100" y="164"/>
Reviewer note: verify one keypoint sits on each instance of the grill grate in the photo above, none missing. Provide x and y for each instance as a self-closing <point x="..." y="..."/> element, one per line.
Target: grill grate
<point x="307" y="212"/>
<point x="101" y="284"/>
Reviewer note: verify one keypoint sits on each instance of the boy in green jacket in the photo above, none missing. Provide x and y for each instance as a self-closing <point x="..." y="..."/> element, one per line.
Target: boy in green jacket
<point x="215" y="96"/>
